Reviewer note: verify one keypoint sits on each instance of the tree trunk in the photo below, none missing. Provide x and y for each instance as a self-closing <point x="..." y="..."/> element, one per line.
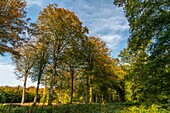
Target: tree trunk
<point x="61" y="93"/>
<point x="37" y="89"/>
<point x="44" y="97"/>
<point x="91" y="95"/>
<point x="72" y="86"/>
<point x="122" y="92"/>
<point x="44" y="92"/>
<point x="87" y="89"/>
<point x="102" y="99"/>
<point x="96" y="98"/>
<point x="50" y="96"/>
<point x="24" y="88"/>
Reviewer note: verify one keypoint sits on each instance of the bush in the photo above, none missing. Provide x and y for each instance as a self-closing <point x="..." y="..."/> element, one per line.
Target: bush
<point x="15" y="97"/>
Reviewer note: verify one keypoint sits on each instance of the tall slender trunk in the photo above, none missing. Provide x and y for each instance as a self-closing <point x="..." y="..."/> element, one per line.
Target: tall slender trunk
<point x="87" y="89"/>
<point x="61" y="96"/>
<point x="44" y="96"/>
<point x="44" y="91"/>
<point x="50" y="96"/>
<point x="37" y="89"/>
<point x="90" y="99"/>
<point x="102" y="99"/>
<point x="72" y="86"/>
<point x="24" y="88"/>
<point x="96" y="98"/>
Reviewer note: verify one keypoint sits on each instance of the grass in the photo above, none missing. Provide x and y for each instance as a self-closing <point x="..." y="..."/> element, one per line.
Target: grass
<point x="88" y="108"/>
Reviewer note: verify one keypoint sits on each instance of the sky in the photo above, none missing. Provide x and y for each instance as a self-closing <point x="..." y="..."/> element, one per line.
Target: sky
<point x="101" y="17"/>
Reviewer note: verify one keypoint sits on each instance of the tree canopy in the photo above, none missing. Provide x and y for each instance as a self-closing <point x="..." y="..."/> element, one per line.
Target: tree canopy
<point x="149" y="34"/>
<point x="13" y="25"/>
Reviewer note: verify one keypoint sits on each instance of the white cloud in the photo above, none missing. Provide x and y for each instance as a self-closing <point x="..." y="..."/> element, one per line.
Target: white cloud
<point x="113" y="41"/>
<point x="39" y="3"/>
<point x="110" y="25"/>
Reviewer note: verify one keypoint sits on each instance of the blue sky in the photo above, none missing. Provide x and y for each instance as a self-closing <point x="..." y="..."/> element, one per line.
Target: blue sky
<point x="102" y="18"/>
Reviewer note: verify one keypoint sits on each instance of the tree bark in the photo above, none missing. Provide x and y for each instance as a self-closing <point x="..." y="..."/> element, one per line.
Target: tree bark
<point x="87" y="89"/>
<point x="61" y="92"/>
<point x="72" y="86"/>
<point x="37" y="89"/>
<point x="50" y="96"/>
<point x="96" y="99"/>
<point x="102" y="99"/>
<point x="90" y="100"/>
<point x="24" y="88"/>
<point x="44" y="91"/>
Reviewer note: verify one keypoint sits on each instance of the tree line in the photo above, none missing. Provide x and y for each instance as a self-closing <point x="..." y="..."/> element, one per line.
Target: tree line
<point x="57" y="52"/>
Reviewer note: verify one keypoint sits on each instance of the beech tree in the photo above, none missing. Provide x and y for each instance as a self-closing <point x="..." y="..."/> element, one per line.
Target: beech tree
<point x="92" y="51"/>
<point x="61" y="27"/>
<point x="72" y="64"/>
<point x="24" y="64"/>
<point x="41" y="58"/>
<point x="149" y="31"/>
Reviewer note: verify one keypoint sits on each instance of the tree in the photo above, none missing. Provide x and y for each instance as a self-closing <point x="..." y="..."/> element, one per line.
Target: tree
<point x="13" y="25"/>
<point x="41" y="56"/>
<point x="135" y="66"/>
<point x="61" y="27"/>
<point x="149" y="30"/>
<point x="24" y="64"/>
<point x="72" y="63"/>
<point x="93" y="52"/>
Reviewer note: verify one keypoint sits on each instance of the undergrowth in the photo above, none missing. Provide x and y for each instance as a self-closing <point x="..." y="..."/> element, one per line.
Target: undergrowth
<point x="90" y="108"/>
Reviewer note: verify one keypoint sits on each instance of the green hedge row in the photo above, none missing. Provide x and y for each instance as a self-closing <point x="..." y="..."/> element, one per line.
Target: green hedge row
<point x="15" y="97"/>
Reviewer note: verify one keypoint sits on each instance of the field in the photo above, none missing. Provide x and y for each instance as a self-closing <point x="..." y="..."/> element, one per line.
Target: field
<point x="87" y="108"/>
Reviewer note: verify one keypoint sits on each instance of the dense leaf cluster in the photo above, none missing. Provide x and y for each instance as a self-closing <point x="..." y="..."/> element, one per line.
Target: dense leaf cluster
<point x="14" y="95"/>
<point x="13" y="25"/>
<point x="148" y="49"/>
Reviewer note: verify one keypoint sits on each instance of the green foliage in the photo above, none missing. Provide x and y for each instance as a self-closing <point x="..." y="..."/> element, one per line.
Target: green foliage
<point x="91" y="108"/>
<point x="144" y="109"/>
<point x="11" y="94"/>
<point x="148" y="48"/>
<point x="60" y="29"/>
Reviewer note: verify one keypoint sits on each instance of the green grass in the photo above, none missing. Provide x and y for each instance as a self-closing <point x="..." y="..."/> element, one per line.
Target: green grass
<point x="91" y="108"/>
